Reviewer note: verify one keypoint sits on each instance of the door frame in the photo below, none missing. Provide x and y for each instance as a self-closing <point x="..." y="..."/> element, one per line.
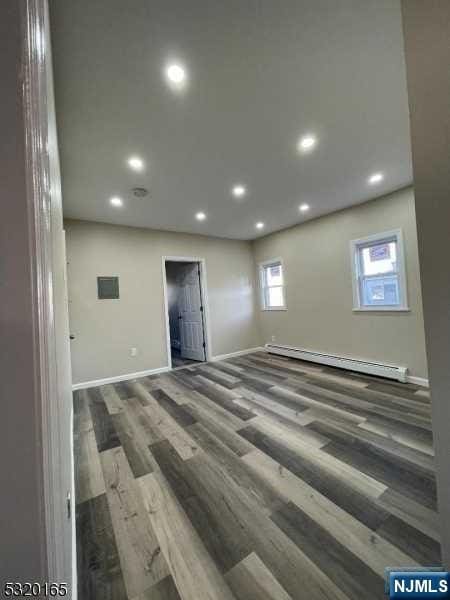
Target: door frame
<point x="204" y="293"/>
<point x="37" y="67"/>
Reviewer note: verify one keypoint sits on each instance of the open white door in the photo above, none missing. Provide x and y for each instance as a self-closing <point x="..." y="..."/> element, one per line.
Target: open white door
<point x="191" y="314"/>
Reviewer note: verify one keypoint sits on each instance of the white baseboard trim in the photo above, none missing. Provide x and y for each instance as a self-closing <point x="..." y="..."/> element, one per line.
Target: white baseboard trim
<point x="96" y="382"/>
<point x="237" y="353"/>
<point x="418" y="380"/>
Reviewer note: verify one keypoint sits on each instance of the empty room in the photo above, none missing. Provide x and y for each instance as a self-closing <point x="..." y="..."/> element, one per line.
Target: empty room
<point x="247" y="330"/>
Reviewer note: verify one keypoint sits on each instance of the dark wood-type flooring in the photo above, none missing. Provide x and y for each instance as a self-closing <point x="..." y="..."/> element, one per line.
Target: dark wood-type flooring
<point x="255" y="478"/>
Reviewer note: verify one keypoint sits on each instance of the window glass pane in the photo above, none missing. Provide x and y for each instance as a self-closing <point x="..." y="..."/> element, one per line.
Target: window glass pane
<point x="380" y="291"/>
<point x="379" y="258"/>
<point x="275" y="297"/>
<point x="274" y="275"/>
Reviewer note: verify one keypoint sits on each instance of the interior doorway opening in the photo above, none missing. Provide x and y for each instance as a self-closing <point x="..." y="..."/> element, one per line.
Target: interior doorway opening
<point x="185" y="305"/>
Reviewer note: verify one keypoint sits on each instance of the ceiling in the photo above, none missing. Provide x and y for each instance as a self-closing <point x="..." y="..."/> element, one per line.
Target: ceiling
<point x="261" y="74"/>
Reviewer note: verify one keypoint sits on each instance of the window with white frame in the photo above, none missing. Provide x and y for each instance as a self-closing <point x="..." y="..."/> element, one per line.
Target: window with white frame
<point x="272" y="285"/>
<point x="379" y="280"/>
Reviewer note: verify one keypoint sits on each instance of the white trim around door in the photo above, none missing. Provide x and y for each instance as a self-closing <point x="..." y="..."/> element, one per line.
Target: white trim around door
<point x="204" y="291"/>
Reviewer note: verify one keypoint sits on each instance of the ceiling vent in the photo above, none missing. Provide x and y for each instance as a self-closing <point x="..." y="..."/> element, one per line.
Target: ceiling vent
<point x="140" y="192"/>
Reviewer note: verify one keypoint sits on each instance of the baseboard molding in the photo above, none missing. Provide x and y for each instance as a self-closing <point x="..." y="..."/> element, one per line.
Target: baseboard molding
<point x="237" y="353"/>
<point x="418" y="380"/>
<point x="96" y="382"/>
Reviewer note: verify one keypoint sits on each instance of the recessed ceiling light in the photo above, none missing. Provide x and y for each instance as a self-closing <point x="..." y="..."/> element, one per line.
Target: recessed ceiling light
<point x="259" y="225"/>
<point x="376" y="178"/>
<point x="238" y="191"/>
<point x="303" y="207"/>
<point x="307" y="143"/>
<point x="116" y="201"/>
<point x="135" y="163"/>
<point x="200" y="216"/>
<point x="176" y="75"/>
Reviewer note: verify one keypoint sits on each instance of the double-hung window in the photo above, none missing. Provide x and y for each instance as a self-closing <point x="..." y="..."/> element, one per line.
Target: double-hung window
<point x="379" y="281"/>
<point x="272" y="285"/>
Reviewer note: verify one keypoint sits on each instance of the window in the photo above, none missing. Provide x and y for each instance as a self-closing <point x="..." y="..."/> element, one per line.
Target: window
<point x="272" y="285"/>
<point x="379" y="281"/>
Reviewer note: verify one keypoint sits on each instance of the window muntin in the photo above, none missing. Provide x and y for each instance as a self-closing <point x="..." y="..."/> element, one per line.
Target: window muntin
<point x="272" y="285"/>
<point x="379" y="275"/>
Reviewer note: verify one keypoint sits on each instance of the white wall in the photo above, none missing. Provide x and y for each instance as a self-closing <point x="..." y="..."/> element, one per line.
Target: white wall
<point x="318" y="278"/>
<point x="106" y="330"/>
<point x="427" y="49"/>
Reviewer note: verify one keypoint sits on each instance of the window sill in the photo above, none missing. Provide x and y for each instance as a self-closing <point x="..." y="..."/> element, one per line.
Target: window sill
<point x="382" y="309"/>
<point x="278" y="308"/>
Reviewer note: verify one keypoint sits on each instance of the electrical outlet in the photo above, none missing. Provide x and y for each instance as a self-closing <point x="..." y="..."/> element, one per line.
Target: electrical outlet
<point x="134" y="351"/>
<point x="273" y="338"/>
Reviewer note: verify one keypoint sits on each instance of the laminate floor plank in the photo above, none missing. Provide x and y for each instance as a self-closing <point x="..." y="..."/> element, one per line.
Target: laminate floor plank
<point x="374" y="550"/>
<point x="98" y="564"/>
<point x="177" y="412"/>
<point x="231" y="526"/>
<point x="251" y="580"/>
<point x="89" y="481"/>
<point x="105" y="432"/>
<point x="169" y="428"/>
<point x="411" y="512"/>
<point x="142" y="563"/>
<point x="226" y="435"/>
<point x="194" y="572"/>
<point x="408" y="482"/>
<point x="391" y="450"/>
<point x="338" y="490"/>
<point x="354" y="577"/>
<point x="422" y="548"/>
<point x="260" y="477"/>
<point x="113" y="402"/>
<point x="163" y="590"/>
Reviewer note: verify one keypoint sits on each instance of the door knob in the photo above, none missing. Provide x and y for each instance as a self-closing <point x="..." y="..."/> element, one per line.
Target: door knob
<point x="71" y="337"/>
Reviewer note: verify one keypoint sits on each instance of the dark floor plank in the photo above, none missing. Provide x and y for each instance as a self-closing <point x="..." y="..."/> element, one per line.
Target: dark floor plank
<point x="98" y="565"/>
<point x="223" y="400"/>
<point x="393" y="473"/>
<point x="217" y="534"/>
<point x="105" y="432"/>
<point x="422" y="548"/>
<point x="123" y="391"/>
<point x="350" y="574"/>
<point x="227" y="436"/>
<point x="164" y="590"/>
<point x="231" y="526"/>
<point x="256" y="488"/>
<point x="177" y="412"/>
<point x="388" y="449"/>
<point x="361" y="507"/>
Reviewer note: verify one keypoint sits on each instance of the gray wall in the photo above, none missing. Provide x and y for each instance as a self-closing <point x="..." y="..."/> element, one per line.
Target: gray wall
<point x="318" y="279"/>
<point x="106" y="330"/>
<point x="427" y="49"/>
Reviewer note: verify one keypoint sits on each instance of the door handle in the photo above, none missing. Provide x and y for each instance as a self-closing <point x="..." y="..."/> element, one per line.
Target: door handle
<point x="180" y="317"/>
<point x="71" y="337"/>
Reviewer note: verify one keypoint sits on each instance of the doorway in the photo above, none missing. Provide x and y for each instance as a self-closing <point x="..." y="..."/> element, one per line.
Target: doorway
<point x="185" y="305"/>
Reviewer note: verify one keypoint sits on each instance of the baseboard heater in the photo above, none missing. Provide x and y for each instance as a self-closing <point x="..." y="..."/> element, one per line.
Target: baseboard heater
<point x="350" y="364"/>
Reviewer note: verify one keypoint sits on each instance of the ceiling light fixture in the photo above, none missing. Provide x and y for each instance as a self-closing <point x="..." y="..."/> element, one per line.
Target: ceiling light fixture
<point x="259" y="225"/>
<point x="307" y="143"/>
<point x="238" y="191"/>
<point x="176" y="75"/>
<point x="303" y="207"/>
<point x="376" y="178"/>
<point x="135" y="163"/>
<point x="116" y="201"/>
<point x="200" y="216"/>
